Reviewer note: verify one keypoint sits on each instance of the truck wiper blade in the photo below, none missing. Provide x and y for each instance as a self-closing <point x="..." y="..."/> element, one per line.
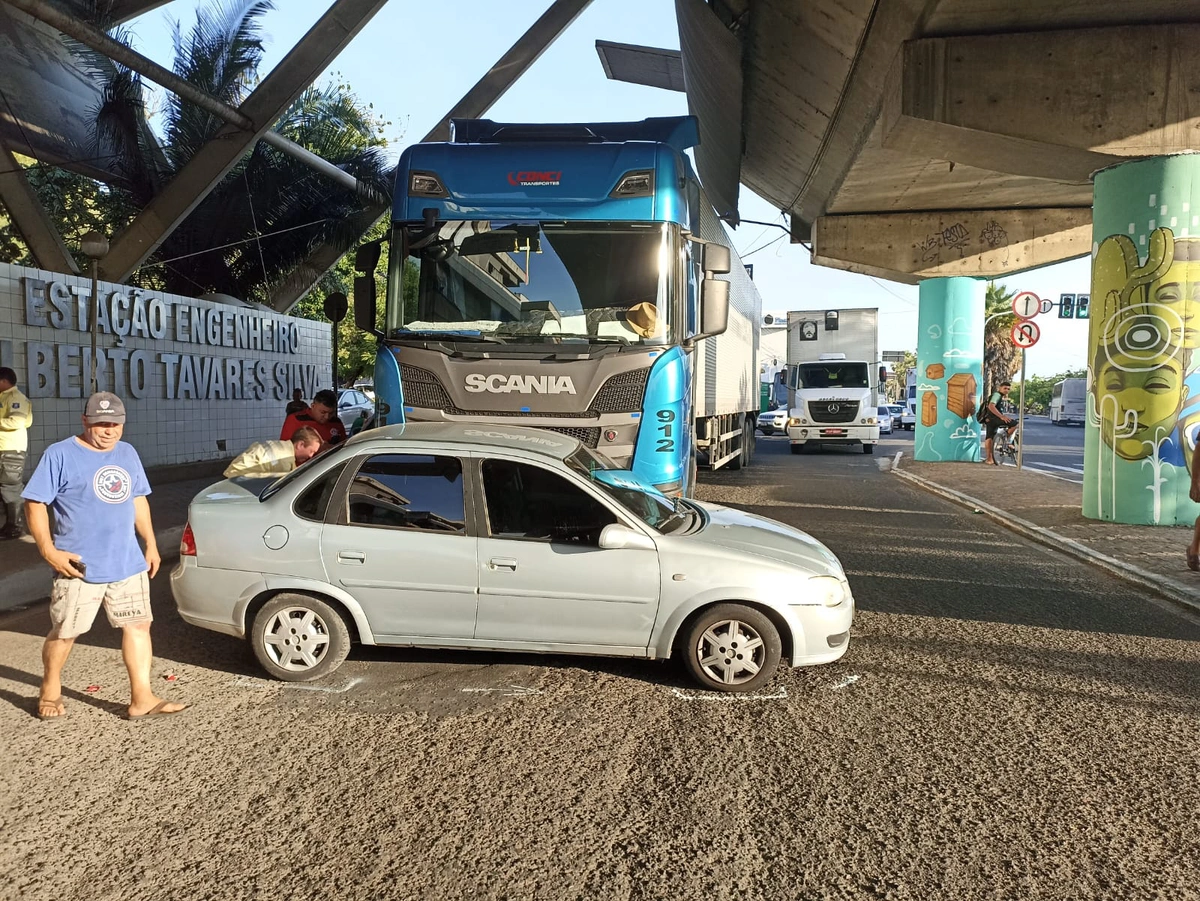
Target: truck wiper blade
<point x="440" y="335"/>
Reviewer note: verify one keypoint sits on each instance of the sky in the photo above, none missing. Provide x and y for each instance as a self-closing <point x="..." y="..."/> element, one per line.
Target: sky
<point x="414" y="60"/>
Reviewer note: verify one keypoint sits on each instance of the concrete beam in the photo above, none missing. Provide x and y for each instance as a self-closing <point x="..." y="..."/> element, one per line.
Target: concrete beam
<point x="1055" y="104"/>
<point x="499" y="78"/>
<point x="30" y="218"/>
<point x="859" y="103"/>
<point x="303" y="64"/>
<point x="907" y="247"/>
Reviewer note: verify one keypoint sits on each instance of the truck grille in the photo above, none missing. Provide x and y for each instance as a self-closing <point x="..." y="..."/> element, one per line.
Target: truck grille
<point x="833" y="411"/>
<point x="622" y="393"/>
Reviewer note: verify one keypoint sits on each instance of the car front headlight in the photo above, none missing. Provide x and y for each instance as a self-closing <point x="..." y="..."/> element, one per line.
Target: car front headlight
<point x="828" y="590"/>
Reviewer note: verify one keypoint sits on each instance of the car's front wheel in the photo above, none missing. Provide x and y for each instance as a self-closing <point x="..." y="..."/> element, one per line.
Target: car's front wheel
<point x="732" y="647"/>
<point x="298" y="638"/>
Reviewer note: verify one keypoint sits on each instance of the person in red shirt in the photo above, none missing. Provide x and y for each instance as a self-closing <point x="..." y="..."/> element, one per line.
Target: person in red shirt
<point x="321" y="416"/>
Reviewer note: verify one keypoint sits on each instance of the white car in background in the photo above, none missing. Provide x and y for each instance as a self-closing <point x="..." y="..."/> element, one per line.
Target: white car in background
<point x="885" y="419"/>
<point x="773" y="422"/>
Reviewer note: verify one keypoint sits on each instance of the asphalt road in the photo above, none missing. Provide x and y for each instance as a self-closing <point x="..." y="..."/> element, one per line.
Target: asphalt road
<point x="1008" y="724"/>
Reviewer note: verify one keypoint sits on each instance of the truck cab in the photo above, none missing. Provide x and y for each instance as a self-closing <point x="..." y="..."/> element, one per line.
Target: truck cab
<point x="833" y="403"/>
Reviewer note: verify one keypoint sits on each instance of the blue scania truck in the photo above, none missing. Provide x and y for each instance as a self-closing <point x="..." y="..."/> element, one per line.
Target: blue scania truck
<point x="568" y="277"/>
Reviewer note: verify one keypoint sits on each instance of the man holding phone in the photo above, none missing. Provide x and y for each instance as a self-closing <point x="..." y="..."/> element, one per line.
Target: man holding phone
<point x="97" y="488"/>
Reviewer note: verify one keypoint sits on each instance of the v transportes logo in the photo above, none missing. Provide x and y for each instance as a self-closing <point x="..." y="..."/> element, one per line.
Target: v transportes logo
<point x="112" y="484"/>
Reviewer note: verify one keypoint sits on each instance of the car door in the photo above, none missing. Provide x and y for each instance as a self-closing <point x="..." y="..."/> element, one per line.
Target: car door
<point x="543" y="578"/>
<point x="401" y="547"/>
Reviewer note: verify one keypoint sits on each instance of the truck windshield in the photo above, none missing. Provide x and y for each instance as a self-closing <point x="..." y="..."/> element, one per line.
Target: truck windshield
<point x="833" y="375"/>
<point x="554" y="282"/>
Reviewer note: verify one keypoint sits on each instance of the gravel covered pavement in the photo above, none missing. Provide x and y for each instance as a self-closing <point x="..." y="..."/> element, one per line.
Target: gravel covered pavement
<point x="1007" y="724"/>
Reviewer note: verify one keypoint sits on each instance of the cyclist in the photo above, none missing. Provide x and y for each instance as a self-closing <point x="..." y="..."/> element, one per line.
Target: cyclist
<point x="995" y="422"/>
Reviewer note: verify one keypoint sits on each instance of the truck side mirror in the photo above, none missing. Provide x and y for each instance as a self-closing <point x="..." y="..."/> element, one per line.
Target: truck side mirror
<point x="714" y="307"/>
<point x="364" y="303"/>
<point x="716" y="260"/>
<point x="366" y="258"/>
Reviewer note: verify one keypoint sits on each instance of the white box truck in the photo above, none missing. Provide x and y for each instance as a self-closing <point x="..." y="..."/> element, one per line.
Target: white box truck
<point x="833" y="378"/>
<point x="726" y="395"/>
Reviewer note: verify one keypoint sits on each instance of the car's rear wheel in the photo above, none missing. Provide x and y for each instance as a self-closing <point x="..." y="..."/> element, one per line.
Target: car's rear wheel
<point x="732" y="648"/>
<point x="298" y="638"/>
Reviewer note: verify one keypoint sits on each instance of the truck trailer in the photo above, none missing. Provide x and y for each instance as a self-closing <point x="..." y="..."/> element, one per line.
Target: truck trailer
<point x="571" y="277"/>
<point x="834" y="378"/>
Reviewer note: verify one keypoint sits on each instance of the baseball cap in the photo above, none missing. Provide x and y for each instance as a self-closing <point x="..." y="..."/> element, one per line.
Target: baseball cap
<point x="104" y="406"/>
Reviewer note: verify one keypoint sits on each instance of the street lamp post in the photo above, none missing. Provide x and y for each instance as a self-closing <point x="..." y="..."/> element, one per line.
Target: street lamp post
<point x="94" y="246"/>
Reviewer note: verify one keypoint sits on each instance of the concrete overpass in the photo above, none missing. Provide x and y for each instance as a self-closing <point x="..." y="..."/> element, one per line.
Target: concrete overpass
<point x="911" y="139"/>
<point x="906" y="139"/>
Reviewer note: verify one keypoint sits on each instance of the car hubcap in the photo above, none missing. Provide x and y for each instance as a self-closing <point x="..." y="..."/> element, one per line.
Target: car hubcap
<point x="730" y="652"/>
<point x="296" y="638"/>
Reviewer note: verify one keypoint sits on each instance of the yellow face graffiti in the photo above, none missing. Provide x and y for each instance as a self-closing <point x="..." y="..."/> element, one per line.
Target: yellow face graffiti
<point x="1138" y="402"/>
<point x="1176" y="297"/>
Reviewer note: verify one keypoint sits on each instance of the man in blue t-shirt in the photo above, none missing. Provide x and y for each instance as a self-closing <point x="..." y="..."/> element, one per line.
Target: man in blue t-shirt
<point x="96" y="486"/>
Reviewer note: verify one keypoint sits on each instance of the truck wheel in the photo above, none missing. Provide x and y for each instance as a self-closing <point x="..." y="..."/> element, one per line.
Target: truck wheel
<point x="796" y="448"/>
<point x="868" y="448"/>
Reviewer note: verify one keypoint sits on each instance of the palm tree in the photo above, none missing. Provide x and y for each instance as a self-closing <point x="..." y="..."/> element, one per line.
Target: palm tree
<point x="1000" y="357"/>
<point x="270" y="211"/>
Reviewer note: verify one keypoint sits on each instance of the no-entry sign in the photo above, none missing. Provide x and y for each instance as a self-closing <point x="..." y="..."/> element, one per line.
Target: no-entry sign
<point x="1027" y="305"/>
<point x="1025" y="333"/>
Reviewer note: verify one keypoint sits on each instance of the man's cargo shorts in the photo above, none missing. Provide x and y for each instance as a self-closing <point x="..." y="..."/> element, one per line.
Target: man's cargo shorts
<point x="74" y="602"/>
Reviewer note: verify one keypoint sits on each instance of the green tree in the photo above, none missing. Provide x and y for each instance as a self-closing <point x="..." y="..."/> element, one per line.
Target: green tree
<point x="902" y="369"/>
<point x="1000" y="358"/>
<point x="270" y="211"/>
<point x="1038" y="389"/>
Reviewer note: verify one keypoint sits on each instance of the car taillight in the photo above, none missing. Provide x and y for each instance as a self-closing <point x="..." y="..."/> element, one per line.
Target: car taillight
<point x="187" y="542"/>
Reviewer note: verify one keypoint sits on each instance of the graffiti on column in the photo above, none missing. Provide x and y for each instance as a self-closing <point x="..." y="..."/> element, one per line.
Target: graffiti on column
<point x="1144" y="372"/>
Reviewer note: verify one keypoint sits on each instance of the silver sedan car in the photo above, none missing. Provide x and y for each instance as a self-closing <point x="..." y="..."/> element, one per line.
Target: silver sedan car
<point x="452" y="535"/>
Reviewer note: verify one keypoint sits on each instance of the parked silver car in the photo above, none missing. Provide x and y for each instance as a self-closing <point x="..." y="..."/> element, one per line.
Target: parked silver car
<point x="454" y="535"/>
<point x="353" y="404"/>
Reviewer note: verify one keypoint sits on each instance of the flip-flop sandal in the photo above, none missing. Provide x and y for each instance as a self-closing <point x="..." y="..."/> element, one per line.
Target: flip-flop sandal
<point x="156" y="710"/>
<point x="57" y="704"/>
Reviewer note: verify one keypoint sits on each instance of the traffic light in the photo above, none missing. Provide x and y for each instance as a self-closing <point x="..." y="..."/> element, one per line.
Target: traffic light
<point x="1082" y="301"/>
<point x="1066" y="306"/>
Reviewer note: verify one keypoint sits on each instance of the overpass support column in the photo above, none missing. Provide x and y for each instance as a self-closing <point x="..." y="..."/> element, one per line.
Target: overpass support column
<point x="949" y="369"/>
<point x="1143" y="400"/>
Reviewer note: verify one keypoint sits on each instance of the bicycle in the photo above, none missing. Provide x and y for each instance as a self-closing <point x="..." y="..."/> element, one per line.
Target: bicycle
<point x="1004" y="446"/>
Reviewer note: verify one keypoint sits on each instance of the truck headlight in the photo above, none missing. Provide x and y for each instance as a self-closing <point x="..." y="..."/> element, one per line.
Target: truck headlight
<point x="870" y="420"/>
<point x="793" y="422"/>
<point x="827" y="590"/>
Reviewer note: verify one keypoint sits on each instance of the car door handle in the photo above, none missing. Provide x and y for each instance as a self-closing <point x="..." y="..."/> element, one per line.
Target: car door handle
<point x="351" y="557"/>
<point x="503" y="563"/>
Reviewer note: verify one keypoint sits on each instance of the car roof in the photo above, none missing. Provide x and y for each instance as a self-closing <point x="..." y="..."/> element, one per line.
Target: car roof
<point x="467" y="435"/>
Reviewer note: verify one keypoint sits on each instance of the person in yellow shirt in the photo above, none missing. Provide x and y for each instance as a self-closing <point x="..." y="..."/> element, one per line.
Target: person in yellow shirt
<point x="264" y="459"/>
<point x="16" y="416"/>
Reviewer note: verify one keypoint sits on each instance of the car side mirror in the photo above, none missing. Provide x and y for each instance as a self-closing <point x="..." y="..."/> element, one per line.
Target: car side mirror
<point x="616" y="536"/>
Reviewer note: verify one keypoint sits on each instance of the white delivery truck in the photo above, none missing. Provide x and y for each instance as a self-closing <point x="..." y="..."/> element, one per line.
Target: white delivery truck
<point x="833" y="378"/>
<point x="908" y="419"/>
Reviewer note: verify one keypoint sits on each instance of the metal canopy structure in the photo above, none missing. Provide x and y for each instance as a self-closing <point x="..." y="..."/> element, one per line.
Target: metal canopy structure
<point x="919" y="138"/>
<point x="47" y="100"/>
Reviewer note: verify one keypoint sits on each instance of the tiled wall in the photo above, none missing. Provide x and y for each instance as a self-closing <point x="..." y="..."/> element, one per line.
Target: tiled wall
<point x="164" y="431"/>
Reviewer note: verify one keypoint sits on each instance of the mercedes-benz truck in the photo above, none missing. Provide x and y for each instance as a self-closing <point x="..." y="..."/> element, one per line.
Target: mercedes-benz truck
<point x="833" y="378"/>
